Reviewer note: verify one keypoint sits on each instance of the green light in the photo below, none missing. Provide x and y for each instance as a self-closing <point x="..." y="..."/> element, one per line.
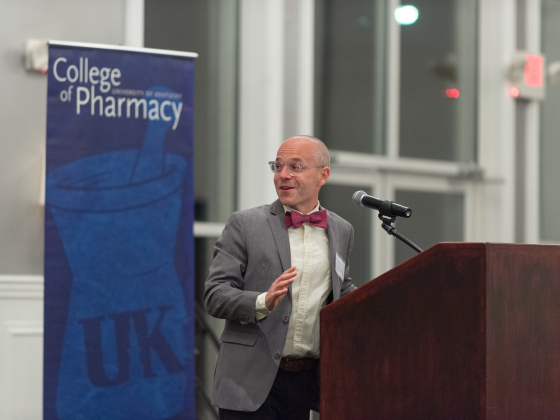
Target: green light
<point x="406" y="14"/>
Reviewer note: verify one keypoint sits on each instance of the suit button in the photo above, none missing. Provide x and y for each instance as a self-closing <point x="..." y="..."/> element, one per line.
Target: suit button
<point x="277" y="355"/>
<point x="286" y="319"/>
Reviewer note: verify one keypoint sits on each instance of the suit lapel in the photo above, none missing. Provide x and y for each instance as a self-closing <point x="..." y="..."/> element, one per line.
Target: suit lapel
<point x="277" y="222"/>
<point x="332" y="233"/>
<point x="280" y="233"/>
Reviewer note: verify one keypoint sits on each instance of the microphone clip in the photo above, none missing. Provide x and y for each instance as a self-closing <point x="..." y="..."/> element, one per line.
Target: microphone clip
<point x="385" y="210"/>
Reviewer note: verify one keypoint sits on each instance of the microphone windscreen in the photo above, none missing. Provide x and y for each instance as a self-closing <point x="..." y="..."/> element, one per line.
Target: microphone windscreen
<point x="357" y="198"/>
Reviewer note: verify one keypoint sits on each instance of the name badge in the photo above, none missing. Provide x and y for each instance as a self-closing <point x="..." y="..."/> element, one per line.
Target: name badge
<point x="340" y="266"/>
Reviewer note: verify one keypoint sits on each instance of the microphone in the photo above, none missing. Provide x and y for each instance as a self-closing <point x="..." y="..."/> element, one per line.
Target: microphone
<point x="360" y="198"/>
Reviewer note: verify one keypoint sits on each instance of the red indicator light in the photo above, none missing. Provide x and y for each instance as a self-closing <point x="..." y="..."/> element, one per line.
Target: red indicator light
<point x="533" y="70"/>
<point x="514" y="92"/>
<point x="43" y="70"/>
<point x="452" y="93"/>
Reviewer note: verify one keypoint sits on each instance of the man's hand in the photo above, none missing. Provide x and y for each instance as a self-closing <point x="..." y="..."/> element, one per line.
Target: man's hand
<point x="279" y="288"/>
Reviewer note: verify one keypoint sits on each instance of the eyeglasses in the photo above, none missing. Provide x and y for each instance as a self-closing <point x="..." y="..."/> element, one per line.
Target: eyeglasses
<point x="293" y="168"/>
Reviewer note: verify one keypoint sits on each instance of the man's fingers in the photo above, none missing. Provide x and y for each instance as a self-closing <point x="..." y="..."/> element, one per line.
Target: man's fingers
<point x="289" y="271"/>
<point x="289" y="275"/>
<point x="279" y="287"/>
<point x="284" y="277"/>
<point x="279" y="291"/>
<point x="284" y="282"/>
<point x="277" y="295"/>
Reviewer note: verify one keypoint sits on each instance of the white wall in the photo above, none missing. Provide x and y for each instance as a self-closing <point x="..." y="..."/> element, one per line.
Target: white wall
<point x="23" y="113"/>
<point x="21" y="347"/>
<point x="22" y="148"/>
<point x="275" y="88"/>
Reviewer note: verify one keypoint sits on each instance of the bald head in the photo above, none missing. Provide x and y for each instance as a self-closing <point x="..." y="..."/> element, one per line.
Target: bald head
<point x="321" y="154"/>
<point x="299" y="189"/>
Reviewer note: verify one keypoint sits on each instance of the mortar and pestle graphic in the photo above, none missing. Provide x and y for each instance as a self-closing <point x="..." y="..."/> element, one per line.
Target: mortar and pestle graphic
<point x="124" y="351"/>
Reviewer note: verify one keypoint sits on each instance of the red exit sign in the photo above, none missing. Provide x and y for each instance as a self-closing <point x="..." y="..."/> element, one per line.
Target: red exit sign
<point x="534" y="69"/>
<point x="527" y="73"/>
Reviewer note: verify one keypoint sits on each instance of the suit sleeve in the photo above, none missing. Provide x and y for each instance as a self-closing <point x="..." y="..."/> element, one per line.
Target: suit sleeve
<point x="224" y="294"/>
<point x="347" y="285"/>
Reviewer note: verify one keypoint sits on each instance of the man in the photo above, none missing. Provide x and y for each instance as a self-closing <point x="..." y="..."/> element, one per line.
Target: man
<point x="274" y="268"/>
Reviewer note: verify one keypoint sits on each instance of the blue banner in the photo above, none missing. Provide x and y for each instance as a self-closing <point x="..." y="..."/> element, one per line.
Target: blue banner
<point x="119" y="246"/>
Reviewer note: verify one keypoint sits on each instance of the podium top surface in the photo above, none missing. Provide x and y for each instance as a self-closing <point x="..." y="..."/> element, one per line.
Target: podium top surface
<point x="446" y="251"/>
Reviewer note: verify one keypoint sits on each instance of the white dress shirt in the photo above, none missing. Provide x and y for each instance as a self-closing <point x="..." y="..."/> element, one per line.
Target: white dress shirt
<point x="309" y="249"/>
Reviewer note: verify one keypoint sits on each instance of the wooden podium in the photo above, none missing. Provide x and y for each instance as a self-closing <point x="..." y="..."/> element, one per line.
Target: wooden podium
<point x="461" y="331"/>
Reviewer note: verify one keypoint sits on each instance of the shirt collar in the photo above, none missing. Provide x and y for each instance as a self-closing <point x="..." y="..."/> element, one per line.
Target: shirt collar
<point x="287" y="209"/>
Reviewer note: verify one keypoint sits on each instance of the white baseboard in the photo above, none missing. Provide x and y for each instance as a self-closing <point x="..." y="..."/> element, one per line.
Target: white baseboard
<point x="21" y="287"/>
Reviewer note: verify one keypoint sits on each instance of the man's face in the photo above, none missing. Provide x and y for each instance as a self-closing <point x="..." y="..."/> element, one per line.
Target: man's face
<point x="300" y="192"/>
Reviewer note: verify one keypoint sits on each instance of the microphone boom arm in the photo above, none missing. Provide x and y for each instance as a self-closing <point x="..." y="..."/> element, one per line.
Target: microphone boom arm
<point x="387" y="227"/>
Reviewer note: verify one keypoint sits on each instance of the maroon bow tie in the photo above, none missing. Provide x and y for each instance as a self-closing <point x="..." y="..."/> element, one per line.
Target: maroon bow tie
<point x="296" y="219"/>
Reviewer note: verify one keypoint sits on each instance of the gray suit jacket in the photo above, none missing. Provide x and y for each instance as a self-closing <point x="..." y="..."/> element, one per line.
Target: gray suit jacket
<point x="252" y="252"/>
